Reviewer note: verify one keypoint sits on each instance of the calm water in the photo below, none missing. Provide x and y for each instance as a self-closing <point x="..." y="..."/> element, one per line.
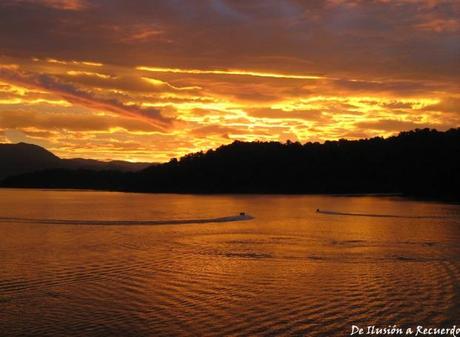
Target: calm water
<point x="289" y="271"/>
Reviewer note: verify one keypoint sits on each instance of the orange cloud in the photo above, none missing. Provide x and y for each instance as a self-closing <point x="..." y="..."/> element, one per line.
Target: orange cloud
<point x="76" y="96"/>
<point x="85" y="63"/>
<point x="230" y="72"/>
<point x="73" y="5"/>
<point x="440" y="25"/>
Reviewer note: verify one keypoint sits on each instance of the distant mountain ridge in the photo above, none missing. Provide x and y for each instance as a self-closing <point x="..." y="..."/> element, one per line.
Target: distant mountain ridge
<point x="422" y="163"/>
<point x="23" y="158"/>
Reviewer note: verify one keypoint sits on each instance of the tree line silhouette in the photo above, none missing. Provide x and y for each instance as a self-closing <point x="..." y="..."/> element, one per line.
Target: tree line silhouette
<point x="422" y="162"/>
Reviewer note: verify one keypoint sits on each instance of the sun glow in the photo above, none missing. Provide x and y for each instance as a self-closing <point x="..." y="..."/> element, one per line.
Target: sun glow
<point x="144" y="82"/>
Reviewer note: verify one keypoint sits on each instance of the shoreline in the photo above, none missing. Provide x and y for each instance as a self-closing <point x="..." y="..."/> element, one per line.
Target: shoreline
<point x="427" y="198"/>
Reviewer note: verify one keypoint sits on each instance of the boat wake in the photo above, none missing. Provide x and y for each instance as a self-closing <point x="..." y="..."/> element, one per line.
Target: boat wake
<point x="383" y="215"/>
<point x="242" y="217"/>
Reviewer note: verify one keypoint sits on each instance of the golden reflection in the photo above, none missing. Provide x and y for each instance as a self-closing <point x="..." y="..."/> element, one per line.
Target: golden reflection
<point x="289" y="269"/>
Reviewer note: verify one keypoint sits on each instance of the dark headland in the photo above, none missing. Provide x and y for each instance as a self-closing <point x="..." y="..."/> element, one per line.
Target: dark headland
<point x="422" y="162"/>
<point x="22" y="158"/>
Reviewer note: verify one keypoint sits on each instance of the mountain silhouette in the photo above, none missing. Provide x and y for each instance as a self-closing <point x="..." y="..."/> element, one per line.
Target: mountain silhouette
<point x="23" y="158"/>
<point x="423" y="162"/>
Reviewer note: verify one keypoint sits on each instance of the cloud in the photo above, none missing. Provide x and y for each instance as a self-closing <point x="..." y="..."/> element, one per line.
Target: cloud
<point x="354" y="38"/>
<point x="75" y="122"/>
<point x="449" y="104"/>
<point x="396" y="125"/>
<point x="440" y="25"/>
<point x="308" y="115"/>
<point x="3" y="138"/>
<point x="228" y="72"/>
<point x="88" y="73"/>
<point x="161" y="83"/>
<point x="213" y="130"/>
<point x="72" y="62"/>
<point x="73" y="5"/>
<point x="76" y="96"/>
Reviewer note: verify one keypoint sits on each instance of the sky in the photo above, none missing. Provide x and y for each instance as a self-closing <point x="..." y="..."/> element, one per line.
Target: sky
<point x="144" y="80"/>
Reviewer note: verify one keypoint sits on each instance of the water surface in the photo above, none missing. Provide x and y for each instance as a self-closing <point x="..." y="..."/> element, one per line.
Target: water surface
<point x="290" y="271"/>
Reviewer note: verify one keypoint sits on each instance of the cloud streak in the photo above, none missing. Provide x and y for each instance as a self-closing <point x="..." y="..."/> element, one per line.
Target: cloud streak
<point x="229" y="72"/>
<point x="76" y="96"/>
<point x="73" y="5"/>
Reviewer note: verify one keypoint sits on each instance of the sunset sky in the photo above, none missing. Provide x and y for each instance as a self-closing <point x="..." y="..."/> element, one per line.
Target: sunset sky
<point x="148" y="80"/>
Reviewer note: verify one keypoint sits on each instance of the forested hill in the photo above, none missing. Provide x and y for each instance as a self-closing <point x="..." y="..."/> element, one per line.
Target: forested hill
<point x="420" y="162"/>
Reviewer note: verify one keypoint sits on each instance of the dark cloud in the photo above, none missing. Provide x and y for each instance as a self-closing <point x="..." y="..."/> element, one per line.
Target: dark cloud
<point x="73" y="5"/>
<point x="384" y="39"/>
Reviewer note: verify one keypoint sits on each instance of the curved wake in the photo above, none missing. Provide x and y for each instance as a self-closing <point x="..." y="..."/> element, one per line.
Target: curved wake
<point x="384" y="215"/>
<point x="127" y="222"/>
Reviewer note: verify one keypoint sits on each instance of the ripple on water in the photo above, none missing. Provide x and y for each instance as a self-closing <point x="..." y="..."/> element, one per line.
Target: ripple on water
<point x="282" y="278"/>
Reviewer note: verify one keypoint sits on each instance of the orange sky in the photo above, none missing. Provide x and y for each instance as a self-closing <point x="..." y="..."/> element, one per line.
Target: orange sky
<point x="150" y="80"/>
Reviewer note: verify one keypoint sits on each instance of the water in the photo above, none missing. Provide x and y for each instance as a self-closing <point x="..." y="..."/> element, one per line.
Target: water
<point x="290" y="271"/>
